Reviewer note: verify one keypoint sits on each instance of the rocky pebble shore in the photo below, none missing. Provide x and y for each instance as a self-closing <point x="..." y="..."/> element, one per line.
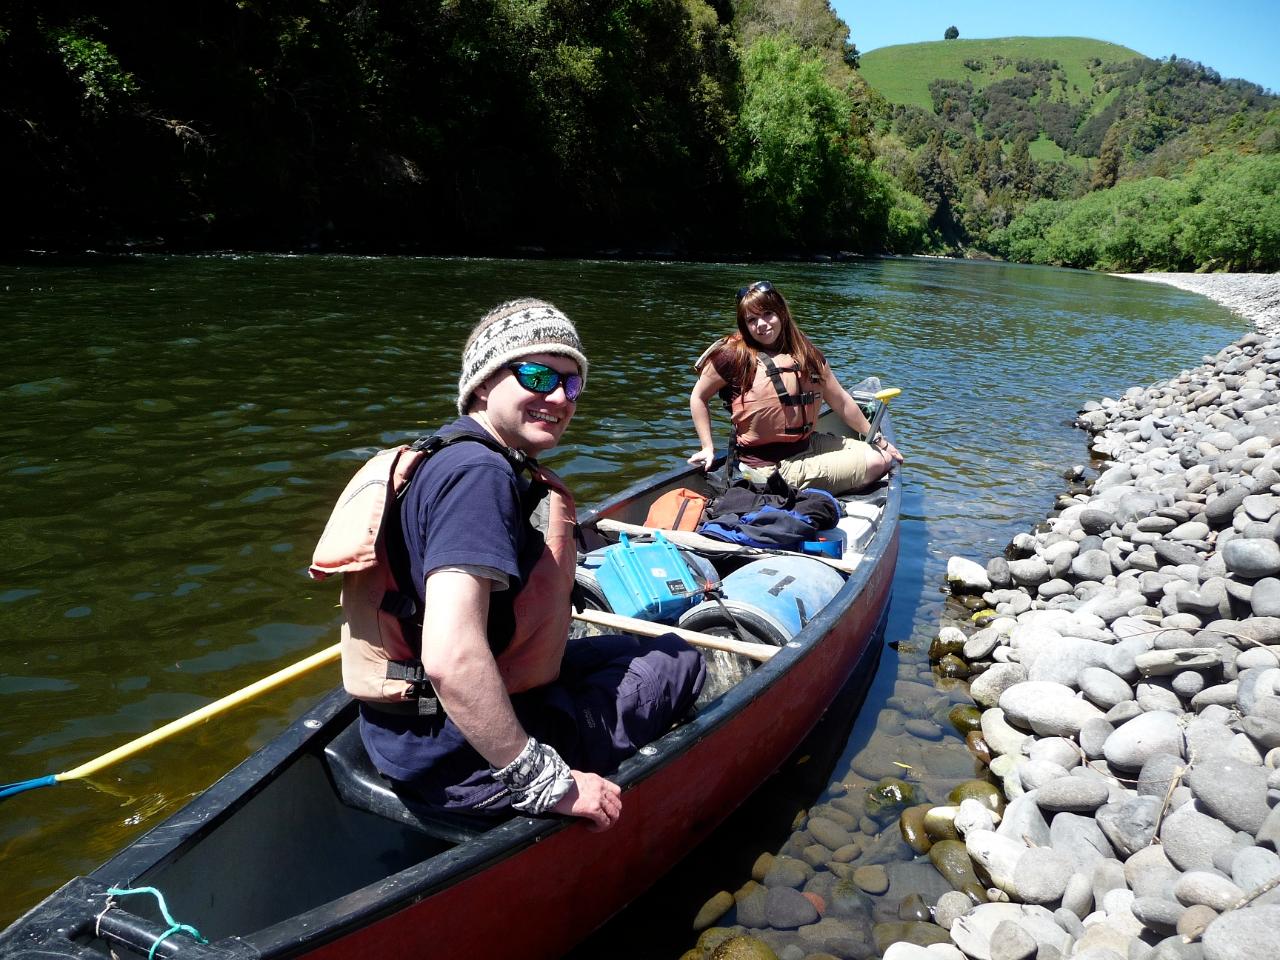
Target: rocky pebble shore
<point x="1123" y="703"/>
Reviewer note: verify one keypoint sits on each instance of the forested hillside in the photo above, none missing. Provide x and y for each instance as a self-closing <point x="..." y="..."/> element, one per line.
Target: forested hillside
<point x="981" y="129"/>
<point x="459" y="126"/>
<point x="636" y="127"/>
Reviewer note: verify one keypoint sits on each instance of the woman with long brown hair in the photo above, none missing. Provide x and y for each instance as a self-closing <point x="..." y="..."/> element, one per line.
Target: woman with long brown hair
<point x="774" y="380"/>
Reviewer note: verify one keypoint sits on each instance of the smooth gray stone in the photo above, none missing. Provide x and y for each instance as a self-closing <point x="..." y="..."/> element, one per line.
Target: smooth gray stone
<point x="1157" y="913"/>
<point x="1095" y="521"/>
<point x="1091" y="565"/>
<point x="1057" y="750"/>
<point x="1023" y="822"/>
<point x="1157" y="524"/>
<point x="1263" y="731"/>
<point x="1149" y="873"/>
<point x="1208" y="888"/>
<point x="1188" y="683"/>
<point x="1080" y="839"/>
<point x="1231" y="791"/>
<point x="786" y="908"/>
<point x="1207" y="736"/>
<point x="1222" y="694"/>
<point x="1123" y="712"/>
<point x="1177" y="640"/>
<point x="987" y="688"/>
<point x="998" y="573"/>
<point x="1010" y="942"/>
<point x="1261" y="507"/>
<point x="1102" y="687"/>
<point x="1159" y="772"/>
<point x="1041" y="875"/>
<point x="981" y="643"/>
<point x="1068" y="921"/>
<point x="1035" y="774"/>
<point x="1108" y="878"/>
<point x="1269" y="835"/>
<point x="950" y="907"/>
<point x="1265" y="598"/>
<point x="1072" y="793"/>
<point x="1190" y="838"/>
<point x="1057" y="587"/>
<point x="1111" y="605"/>
<point x="1141" y="738"/>
<point x="1000" y="735"/>
<point x="1156" y="694"/>
<point x="1266" y="707"/>
<point x="1253" y="559"/>
<point x="1030" y="572"/>
<point x="1219" y="511"/>
<point x="1078" y="897"/>
<point x="1172" y="554"/>
<point x="1264" y="630"/>
<point x="1248" y="934"/>
<point x="1191" y="530"/>
<point x="1130" y="824"/>
<point x="1163" y="663"/>
<point x="1047" y="708"/>
<point x="1093" y="737"/>
<point x="1253" y="866"/>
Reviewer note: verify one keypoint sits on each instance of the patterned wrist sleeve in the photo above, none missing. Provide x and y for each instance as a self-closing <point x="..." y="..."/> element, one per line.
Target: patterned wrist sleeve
<point x="537" y="778"/>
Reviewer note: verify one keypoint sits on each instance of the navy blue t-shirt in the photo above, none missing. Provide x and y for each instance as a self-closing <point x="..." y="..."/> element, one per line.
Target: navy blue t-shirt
<point x="465" y="505"/>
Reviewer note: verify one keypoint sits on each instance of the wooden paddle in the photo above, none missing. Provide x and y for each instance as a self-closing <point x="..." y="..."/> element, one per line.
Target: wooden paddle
<point x="696" y="541"/>
<point x="646" y="628"/>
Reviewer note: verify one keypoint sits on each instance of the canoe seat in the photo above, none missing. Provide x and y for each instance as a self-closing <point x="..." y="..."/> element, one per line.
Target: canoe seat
<point x="360" y="785"/>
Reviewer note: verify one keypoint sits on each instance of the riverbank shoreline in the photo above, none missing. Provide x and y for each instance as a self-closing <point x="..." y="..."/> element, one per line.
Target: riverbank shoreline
<point x="1127" y="666"/>
<point x="1254" y="296"/>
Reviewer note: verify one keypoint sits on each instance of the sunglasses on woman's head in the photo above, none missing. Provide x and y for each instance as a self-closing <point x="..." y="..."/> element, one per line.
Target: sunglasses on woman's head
<point x="539" y="378"/>
<point x="763" y="286"/>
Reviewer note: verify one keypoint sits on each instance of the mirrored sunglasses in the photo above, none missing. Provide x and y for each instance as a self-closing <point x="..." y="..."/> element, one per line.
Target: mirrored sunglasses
<point x="539" y="378"/>
<point x="763" y="286"/>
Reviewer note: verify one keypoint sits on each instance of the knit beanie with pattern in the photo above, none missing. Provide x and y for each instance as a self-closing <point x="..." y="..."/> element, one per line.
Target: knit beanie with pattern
<point x="513" y="330"/>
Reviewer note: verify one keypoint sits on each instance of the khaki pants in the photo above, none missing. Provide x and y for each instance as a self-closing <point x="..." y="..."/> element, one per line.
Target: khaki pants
<point x="831" y="463"/>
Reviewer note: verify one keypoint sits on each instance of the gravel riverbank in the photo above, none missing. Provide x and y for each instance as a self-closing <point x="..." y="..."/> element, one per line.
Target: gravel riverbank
<point x="1123" y="704"/>
<point x="1130" y="681"/>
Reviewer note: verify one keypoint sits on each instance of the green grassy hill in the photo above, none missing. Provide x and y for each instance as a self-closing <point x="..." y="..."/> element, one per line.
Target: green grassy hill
<point x="902" y="74"/>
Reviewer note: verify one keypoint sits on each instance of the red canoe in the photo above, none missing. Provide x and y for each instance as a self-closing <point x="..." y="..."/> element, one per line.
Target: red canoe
<point x="303" y="850"/>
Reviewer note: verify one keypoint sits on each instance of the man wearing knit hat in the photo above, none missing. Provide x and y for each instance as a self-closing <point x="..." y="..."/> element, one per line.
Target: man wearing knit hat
<point x="524" y="719"/>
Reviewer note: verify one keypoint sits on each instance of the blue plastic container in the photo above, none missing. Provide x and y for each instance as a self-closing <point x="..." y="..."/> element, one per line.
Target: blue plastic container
<point x="771" y="599"/>
<point x="650" y="581"/>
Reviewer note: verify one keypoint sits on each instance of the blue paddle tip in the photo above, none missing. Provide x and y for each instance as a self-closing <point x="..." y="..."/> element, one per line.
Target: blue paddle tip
<point x="9" y="789"/>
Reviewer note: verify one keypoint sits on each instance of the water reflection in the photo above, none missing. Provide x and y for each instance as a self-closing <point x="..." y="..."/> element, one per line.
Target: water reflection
<point x="176" y="429"/>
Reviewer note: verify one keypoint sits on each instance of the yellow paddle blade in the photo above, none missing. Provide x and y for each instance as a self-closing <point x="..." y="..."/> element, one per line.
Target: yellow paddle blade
<point x="888" y="393"/>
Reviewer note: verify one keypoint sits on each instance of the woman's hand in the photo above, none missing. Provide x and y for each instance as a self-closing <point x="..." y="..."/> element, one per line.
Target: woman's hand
<point x="704" y="458"/>
<point x="883" y="444"/>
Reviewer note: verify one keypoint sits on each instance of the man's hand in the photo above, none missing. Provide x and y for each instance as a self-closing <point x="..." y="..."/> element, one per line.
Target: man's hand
<point x="593" y="798"/>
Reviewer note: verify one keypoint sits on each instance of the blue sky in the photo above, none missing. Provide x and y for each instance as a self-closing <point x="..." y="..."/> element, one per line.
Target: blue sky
<point x="1235" y="37"/>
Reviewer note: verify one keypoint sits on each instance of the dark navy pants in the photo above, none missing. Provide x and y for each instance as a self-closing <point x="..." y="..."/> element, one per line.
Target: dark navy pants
<point x="614" y="694"/>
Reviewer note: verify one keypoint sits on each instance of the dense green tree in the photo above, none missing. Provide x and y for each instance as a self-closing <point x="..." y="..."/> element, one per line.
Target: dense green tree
<point x="805" y="176"/>
<point x="951" y="33"/>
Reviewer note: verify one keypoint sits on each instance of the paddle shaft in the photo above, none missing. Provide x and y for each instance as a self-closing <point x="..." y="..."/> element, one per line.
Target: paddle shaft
<point x="696" y="541"/>
<point x="646" y="628"/>
<point x="276" y="679"/>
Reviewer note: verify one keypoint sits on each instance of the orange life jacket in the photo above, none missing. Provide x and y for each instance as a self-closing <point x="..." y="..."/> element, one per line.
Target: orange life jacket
<point x="776" y="408"/>
<point x="379" y="664"/>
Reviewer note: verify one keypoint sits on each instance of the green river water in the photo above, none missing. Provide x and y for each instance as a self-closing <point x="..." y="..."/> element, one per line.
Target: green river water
<point x="176" y="428"/>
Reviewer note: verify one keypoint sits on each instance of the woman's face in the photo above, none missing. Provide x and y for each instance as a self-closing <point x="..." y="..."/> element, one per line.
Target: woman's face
<point x="764" y="327"/>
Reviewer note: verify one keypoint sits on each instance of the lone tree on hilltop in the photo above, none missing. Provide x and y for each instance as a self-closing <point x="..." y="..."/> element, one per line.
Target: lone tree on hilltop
<point x="951" y="34"/>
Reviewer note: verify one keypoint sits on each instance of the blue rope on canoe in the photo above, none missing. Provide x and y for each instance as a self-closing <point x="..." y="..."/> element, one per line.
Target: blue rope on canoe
<point x="174" y="926"/>
<point x="9" y="789"/>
